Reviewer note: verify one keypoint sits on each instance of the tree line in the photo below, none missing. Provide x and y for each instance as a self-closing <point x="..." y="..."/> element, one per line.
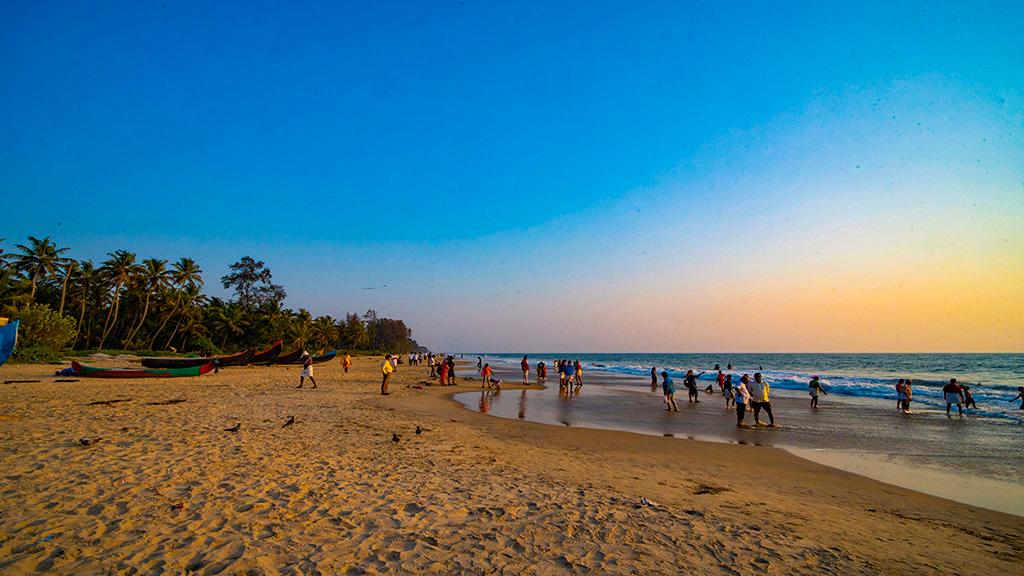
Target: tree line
<point x="154" y="305"/>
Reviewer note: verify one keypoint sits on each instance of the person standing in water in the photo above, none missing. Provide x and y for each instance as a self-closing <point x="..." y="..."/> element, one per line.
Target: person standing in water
<point x="742" y="394"/>
<point x="542" y="373"/>
<point x="579" y="373"/>
<point x="969" y="398"/>
<point x="654" y="378"/>
<point x="485" y="376"/>
<point x="525" y="365"/>
<point x="570" y="373"/>
<point x="451" y="370"/>
<point x="953" y="394"/>
<point x="728" y="392"/>
<point x="908" y="395"/>
<point x="815" y="388"/>
<point x="1019" y="396"/>
<point x="759" y="390"/>
<point x="669" y="389"/>
<point x="900" y="395"/>
<point x="690" y="381"/>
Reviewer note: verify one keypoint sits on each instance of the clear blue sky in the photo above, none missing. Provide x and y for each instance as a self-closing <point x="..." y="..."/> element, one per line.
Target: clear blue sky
<point x="531" y="163"/>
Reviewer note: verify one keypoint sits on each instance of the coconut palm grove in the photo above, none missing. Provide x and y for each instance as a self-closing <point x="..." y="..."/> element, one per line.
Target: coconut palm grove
<point x="157" y="306"/>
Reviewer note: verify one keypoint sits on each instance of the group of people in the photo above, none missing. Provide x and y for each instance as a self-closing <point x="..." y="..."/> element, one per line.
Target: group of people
<point x="753" y="393"/>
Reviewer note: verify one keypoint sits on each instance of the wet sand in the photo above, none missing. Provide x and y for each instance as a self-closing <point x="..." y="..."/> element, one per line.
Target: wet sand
<point x="971" y="460"/>
<point x="167" y="490"/>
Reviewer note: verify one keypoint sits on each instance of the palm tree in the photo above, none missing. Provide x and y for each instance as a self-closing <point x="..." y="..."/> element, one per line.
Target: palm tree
<point x="186" y="275"/>
<point x="229" y="320"/>
<point x="70" y="265"/>
<point x="88" y="280"/>
<point x="301" y="327"/>
<point x="39" y="260"/>
<point x="118" y="269"/>
<point x="153" y="277"/>
<point x="325" y="332"/>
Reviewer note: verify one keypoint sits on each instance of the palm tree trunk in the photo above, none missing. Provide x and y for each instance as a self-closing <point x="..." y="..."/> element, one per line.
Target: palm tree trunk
<point x="107" y="326"/>
<point x="81" y="318"/>
<point x="177" y="302"/>
<point x="145" y="310"/>
<point x="173" y="332"/>
<point x="64" y="290"/>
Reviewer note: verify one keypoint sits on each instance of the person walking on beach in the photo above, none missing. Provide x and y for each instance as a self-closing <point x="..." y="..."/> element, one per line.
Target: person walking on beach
<point x="690" y="381"/>
<point x="479" y="363"/>
<point x="307" y="369"/>
<point x="525" y="365"/>
<point x="759" y="390"/>
<point x="742" y="395"/>
<point x="432" y="365"/>
<point x="451" y="370"/>
<point x="442" y="372"/>
<point x="346" y="363"/>
<point x="385" y="369"/>
<point x="721" y="380"/>
<point x="669" y="389"/>
<point x="953" y="394"/>
<point x="900" y="394"/>
<point x="908" y="395"/>
<point x="485" y="376"/>
<point x="814" y="387"/>
<point x="579" y="373"/>
<point x="728" y="392"/>
<point x="1020" y="396"/>
<point x="654" y="378"/>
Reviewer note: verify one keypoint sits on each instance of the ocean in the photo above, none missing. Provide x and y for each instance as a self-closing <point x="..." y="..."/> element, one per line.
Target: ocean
<point x="993" y="378"/>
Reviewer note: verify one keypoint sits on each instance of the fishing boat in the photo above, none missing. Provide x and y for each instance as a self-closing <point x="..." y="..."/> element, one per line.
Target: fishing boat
<point x="316" y="359"/>
<point x="288" y="358"/>
<point x="239" y="359"/>
<point x="268" y="355"/>
<point x="8" y="339"/>
<point x="95" y="372"/>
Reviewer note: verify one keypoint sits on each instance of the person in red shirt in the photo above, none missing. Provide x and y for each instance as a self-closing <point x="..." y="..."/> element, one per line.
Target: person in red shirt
<point x="954" y="395"/>
<point x="485" y="376"/>
<point x="525" y="365"/>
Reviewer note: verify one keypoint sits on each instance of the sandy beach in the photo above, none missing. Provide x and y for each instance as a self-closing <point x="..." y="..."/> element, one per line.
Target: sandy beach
<point x="351" y="488"/>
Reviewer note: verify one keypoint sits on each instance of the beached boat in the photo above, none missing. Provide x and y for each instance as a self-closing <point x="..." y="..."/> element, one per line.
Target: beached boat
<point x="288" y="358"/>
<point x="8" y="339"/>
<point x="239" y="359"/>
<point x="268" y="355"/>
<point x="316" y="359"/>
<point x="96" y="372"/>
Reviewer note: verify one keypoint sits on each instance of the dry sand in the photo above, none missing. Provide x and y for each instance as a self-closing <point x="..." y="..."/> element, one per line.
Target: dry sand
<point x="167" y="490"/>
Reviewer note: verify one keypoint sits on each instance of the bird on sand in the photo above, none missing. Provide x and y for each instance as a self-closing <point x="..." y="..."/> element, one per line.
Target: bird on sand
<point x="289" y="422"/>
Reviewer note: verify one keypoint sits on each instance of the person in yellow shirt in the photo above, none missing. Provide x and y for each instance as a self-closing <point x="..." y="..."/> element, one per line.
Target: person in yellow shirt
<point x="386" y="369"/>
<point x="346" y="363"/>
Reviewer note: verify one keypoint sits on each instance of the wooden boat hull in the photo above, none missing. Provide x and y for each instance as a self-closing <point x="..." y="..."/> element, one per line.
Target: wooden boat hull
<point x="96" y="372"/>
<point x="8" y="340"/>
<point x="239" y="359"/>
<point x="288" y="358"/>
<point x="268" y="355"/>
<point x="316" y="359"/>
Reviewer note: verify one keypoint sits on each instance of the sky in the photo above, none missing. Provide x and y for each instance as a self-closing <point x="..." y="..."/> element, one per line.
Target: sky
<point x="539" y="176"/>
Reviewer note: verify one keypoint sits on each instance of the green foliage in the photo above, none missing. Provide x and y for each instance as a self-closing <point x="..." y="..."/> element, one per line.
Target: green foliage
<point x="43" y="334"/>
<point x="154" y="308"/>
